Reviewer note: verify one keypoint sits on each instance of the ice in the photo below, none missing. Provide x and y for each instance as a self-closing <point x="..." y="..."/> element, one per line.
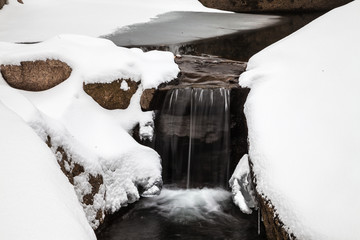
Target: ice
<point x="49" y="18"/>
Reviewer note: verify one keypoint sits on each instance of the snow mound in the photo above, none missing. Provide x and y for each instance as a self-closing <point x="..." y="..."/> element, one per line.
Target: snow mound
<point x="303" y="117"/>
<point x="37" y="201"/>
<point x="72" y="123"/>
<point x="54" y="17"/>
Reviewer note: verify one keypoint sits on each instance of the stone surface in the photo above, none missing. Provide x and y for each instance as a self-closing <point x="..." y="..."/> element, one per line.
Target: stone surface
<point x="196" y="72"/>
<point x="110" y="95"/>
<point x="36" y="75"/>
<point x="273" y="5"/>
<point x="2" y="3"/>
<point x="76" y="173"/>
<point x="274" y="227"/>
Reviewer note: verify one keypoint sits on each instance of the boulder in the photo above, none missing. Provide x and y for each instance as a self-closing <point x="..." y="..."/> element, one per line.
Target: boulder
<point x="273" y="5"/>
<point x="36" y="75"/>
<point x="114" y="95"/>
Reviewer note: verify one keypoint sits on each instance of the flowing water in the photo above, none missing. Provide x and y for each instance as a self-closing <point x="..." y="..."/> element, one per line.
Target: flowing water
<point x="184" y="214"/>
<point x="193" y="137"/>
<point x="193" y="130"/>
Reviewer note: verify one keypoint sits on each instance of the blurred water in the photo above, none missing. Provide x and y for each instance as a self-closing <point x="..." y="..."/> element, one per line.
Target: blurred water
<point x="192" y="136"/>
<point x="184" y="214"/>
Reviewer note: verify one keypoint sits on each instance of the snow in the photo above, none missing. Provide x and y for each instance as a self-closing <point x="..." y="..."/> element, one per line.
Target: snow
<point x="303" y="117"/>
<point x="37" y="200"/>
<point x="91" y="17"/>
<point x="96" y="138"/>
<point x="124" y="86"/>
<point x="242" y="190"/>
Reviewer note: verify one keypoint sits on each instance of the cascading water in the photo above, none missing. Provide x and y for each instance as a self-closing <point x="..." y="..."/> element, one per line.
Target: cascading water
<point x="193" y="137"/>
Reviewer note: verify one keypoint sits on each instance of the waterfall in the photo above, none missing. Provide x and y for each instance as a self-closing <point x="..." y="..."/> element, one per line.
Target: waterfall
<point x="193" y="137"/>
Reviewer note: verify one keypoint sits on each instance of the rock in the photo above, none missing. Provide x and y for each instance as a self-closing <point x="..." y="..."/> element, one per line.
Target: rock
<point x="197" y="72"/>
<point x="2" y="3"/>
<point x="112" y="95"/>
<point x="274" y="227"/>
<point x="89" y="186"/>
<point x="273" y="5"/>
<point x="36" y="75"/>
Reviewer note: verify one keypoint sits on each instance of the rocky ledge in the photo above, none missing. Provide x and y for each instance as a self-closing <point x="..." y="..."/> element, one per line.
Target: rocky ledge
<point x="196" y="72"/>
<point x="259" y="6"/>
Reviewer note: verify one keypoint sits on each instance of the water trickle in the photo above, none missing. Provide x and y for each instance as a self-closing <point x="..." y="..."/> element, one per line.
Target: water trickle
<point x="193" y="137"/>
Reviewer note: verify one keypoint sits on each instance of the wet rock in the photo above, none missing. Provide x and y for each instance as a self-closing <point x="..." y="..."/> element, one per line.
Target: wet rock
<point x="36" y="75"/>
<point x="273" y="5"/>
<point x="114" y="95"/>
<point x="196" y="72"/>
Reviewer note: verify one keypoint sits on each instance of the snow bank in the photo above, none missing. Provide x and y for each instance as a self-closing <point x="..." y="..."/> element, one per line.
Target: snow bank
<point x="303" y="116"/>
<point x="38" y="20"/>
<point x="36" y="201"/>
<point x="96" y="138"/>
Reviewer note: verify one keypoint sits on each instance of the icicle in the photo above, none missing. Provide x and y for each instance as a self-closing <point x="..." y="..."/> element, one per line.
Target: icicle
<point x="259" y="223"/>
<point x="190" y="139"/>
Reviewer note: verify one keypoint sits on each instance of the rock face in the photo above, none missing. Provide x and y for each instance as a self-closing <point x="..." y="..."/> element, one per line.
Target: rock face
<point x="196" y="72"/>
<point x="114" y="95"/>
<point x="36" y="75"/>
<point x="89" y="186"/>
<point x="2" y="3"/>
<point x="273" y="5"/>
<point x="274" y="227"/>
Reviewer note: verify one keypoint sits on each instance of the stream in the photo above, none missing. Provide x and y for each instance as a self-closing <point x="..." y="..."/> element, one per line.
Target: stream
<point x="192" y="129"/>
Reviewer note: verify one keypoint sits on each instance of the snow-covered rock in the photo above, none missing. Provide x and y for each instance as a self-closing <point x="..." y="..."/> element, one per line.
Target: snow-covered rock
<point x="108" y="168"/>
<point x="303" y="118"/>
<point x="36" y="200"/>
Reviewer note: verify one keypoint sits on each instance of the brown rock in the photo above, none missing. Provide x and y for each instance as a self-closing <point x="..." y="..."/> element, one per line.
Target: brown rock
<point x="110" y="95"/>
<point x="36" y="75"/>
<point x="274" y="5"/>
<point x="197" y="72"/>
<point x="274" y="227"/>
<point x="2" y="3"/>
<point x="71" y="169"/>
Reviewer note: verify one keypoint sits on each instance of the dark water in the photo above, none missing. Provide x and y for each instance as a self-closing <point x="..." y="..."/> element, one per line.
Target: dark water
<point x="230" y="35"/>
<point x="192" y="136"/>
<point x="184" y="214"/>
<point x="192" y="132"/>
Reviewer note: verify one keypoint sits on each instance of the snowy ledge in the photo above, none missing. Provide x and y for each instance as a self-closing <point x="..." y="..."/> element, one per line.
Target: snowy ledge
<point x="92" y="145"/>
<point x="303" y="118"/>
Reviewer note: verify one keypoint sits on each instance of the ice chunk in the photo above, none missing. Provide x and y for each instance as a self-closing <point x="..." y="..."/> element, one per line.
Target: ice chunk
<point x="242" y="189"/>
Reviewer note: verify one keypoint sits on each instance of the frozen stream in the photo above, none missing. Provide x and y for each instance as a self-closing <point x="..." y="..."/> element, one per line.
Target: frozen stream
<point x="230" y="35"/>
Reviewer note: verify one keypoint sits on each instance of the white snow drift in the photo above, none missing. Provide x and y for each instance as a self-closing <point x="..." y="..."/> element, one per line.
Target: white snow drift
<point x="96" y="138"/>
<point x="303" y="114"/>
<point x="36" y="201"/>
<point x="38" y="20"/>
